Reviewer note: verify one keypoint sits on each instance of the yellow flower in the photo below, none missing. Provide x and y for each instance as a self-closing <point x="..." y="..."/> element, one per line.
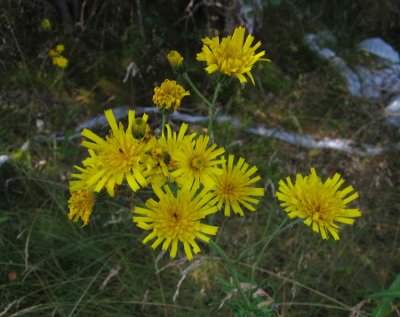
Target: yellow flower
<point x="320" y="204"/>
<point x="119" y="156"/>
<point x="60" y="61"/>
<point x="163" y="155"/>
<point x="172" y="141"/>
<point x="233" y="188"/>
<point x="79" y="181"/>
<point x="60" y="48"/>
<point x="174" y="58"/>
<point x="82" y="198"/>
<point x="81" y="205"/>
<point x="46" y="25"/>
<point x="233" y="56"/>
<point x="176" y="218"/>
<point x="157" y="176"/>
<point x="160" y="156"/>
<point x="169" y="95"/>
<point x="53" y="53"/>
<point x="197" y="163"/>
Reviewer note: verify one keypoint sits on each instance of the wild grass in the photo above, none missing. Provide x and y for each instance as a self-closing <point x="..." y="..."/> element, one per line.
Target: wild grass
<point x="50" y="266"/>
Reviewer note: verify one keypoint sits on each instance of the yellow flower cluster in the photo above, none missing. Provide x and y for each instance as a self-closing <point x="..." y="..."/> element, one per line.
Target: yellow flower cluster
<point x="169" y="95"/>
<point x="57" y="58"/>
<point x="190" y="177"/>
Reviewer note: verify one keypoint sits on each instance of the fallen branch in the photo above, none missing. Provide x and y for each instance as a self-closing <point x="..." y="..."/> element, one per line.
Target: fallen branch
<point x="303" y="140"/>
<point x="344" y="145"/>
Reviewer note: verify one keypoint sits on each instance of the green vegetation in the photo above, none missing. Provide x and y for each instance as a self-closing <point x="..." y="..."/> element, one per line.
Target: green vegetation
<point x="53" y="267"/>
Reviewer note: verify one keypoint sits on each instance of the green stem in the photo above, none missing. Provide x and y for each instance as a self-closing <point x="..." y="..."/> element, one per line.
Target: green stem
<point x="278" y="230"/>
<point x="210" y="131"/>
<point x="231" y="269"/>
<point x="193" y="86"/>
<point x="164" y="119"/>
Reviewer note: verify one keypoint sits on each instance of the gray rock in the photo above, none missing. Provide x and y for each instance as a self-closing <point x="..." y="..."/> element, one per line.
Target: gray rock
<point x="314" y="42"/>
<point x="380" y="48"/>
<point x="3" y="159"/>
<point x="326" y="53"/>
<point x="351" y="77"/>
<point x="353" y="82"/>
<point x="392" y="112"/>
<point x="378" y="83"/>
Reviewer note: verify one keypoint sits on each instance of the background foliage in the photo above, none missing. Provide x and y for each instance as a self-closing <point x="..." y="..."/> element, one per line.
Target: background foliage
<point x="50" y="266"/>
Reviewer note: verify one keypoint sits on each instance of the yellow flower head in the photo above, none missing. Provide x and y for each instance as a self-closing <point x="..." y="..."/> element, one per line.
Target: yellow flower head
<point x="60" y="61"/>
<point x="174" y="58"/>
<point x="233" y="56"/>
<point x="60" y="48"/>
<point x="160" y="156"/>
<point x="169" y="95"/>
<point x="172" y="142"/>
<point x="53" y="53"/>
<point x="234" y="187"/>
<point x="81" y="205"/>
<point x="79" y="181"/>
<point x="164" y="154"/>
<point x="46" y="25"/>
<point x="197" y="163"/>
<point x="176" y="218"/>
<point x="119" y="156"/>
<point x="157" y="176"/>
<point x="320" y="204"/>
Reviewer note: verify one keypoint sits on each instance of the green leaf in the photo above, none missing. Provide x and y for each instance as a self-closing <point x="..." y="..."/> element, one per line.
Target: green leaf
<point x="384" y="294"/>
<point x="384" y="307"/>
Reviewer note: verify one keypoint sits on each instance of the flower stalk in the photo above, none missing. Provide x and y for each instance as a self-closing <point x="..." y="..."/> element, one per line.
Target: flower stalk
<point x="214" y="111"/>
<point x="211" y="105"/>
<point x="232" y="270"/>
<point x="164" y="119"/>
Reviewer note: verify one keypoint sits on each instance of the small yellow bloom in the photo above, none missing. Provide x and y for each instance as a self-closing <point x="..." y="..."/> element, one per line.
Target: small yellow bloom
<point x="60" y="48"/>
<point x="81" y="205"/>
<point x="197" y="163"/>
<point x="172" y="142"/>
<point x="234" y="187"/>
<point x="320" y="204"/>
<point x="53" y="53"/>
<point x="79" y="181"/>
<point x="164" y="155"/>
<point x="174" y="58"/>
<point x="60" y="61"/>
<point x="169" y="95"/>
<point x="233" y="56"/>
<point x="175" y="218"/>
<point x="46" y="25"/>
<point x="118" y="157"/>
<point x="140" y="128"/>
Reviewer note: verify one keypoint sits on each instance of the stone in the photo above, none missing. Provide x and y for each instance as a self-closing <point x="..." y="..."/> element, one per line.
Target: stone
<point x="352" y="79"/>
<point x="3" y="159"/>
<point x="380" y="48"/>
<point x="392" y="112"/>
<point x="378" y="83"/>
<point x="315" y="42"/>
<point x="326" y="53"/>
